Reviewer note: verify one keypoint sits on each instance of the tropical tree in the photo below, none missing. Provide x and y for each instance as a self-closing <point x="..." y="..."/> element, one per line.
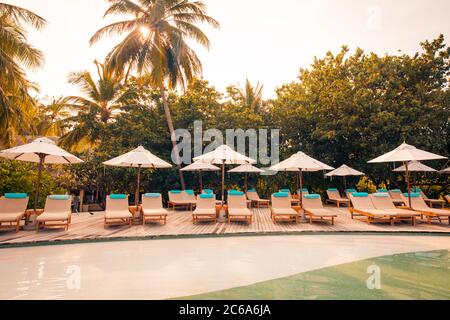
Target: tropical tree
<point x="16" y="55"/>
<point x="250" y="96"/>
<point x="51" y="117"/>
<point x="101" y="101"/>
<point x="156" y="44"/>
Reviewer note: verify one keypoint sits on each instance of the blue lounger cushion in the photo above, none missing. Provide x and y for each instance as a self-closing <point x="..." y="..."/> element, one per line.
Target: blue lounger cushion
<point x="382" y="190"/>
<point x="208" y="191"/>
<point x="152" y="195"/>
<point x="281" y="195"/>
<point x="332" y="189"/>
<point x="381" y="195"/>
<point x="360" y="194"/>
<point x="396" y="191"/>
<point x="206" y="196"/>
<point x="235" y="193"/>
<point x="59" y="197"/>
<point x="16" y="195"/>
<point x="285" y="190"/>
<point x="413" y="195"/>
<point x="175" y="191"/>
<point x="251" y="190"/>
<point x="312" y="196"/>
<point x="351" y="190"/>
<point x="190" y="192"/>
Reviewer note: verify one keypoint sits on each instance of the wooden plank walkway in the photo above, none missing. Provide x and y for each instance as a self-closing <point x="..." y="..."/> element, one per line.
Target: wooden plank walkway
<point x="90" y="227"/>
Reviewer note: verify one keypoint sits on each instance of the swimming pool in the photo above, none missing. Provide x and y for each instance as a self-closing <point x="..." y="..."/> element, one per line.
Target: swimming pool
<point x="263" y="267"/>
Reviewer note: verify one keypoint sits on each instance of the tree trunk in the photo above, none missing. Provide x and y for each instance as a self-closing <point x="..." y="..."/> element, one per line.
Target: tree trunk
<point x="172" y="134"/>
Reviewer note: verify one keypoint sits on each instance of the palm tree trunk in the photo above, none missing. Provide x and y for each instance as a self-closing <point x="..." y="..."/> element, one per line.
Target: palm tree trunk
<point x="172" y="134"/>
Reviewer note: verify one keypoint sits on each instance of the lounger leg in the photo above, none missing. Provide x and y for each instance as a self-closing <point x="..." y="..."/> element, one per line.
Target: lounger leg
<point x="17" y="225"/>
<point x="413" y="222"/>
<point x="428" y="220"/>
<point x="332" y="221"/>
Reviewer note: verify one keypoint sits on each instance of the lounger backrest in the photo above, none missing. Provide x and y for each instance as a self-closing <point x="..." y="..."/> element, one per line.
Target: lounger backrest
<point x="237" y="201"/>
<point x="281" y="202"/>
<point x="13" y="205"/>
<point x="333" y="195"/>
<point x="188" y="196"/>
<point x="382" y="201"/>
<point x="208" y="203"/>
<point x="315" y="203"/>
<point x="362" y="203"/>
<point x="175" y="197"/>
<point x="396" y="195"/>
<point x="447" y="197"/>
<point x="253" y="195"/>
<point x="423" y="195"/>
<point x="152" y="202"/>
<point x="57" y="206"/>
<point x="116" y="204"/>
<point x="417" y="203"/>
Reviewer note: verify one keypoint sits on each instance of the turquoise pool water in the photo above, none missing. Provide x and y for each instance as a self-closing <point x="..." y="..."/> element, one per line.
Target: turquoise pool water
<point x="420" y="275"/>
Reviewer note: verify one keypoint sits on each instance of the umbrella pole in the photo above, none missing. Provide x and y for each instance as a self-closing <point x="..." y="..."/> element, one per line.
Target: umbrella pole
<point x="246" y="182"/>
<point x="407" y="183"/>
<point x="201" y="180"/>
<point x="38" y="182"/>
<point x="301" y="188"/>
<point x="138" y="187"/>
<point x="223" y="182"/>
<point x="345" y="183"/>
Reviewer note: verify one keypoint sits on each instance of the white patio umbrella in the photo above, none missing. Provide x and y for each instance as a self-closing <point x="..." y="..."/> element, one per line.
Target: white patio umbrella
<point x="344" y="171"/>
<point x="445" y="171"/>
<point x="200" y="167"/>
<point x="415" y="166"/>
<point x="300" y="162"/>
<point x="406" y="153"/>
<point x="246" y="168"/>
<point x="138" y="158"/>
<point x="224" y="155"/>
<point x="41" y="151"/>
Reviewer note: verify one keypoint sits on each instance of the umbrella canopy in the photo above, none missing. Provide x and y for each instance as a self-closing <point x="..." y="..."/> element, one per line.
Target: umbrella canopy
<point x="344" y="171"/>
<point x="415" y="166"/>
<point x="200" y="167"/>
<point x="246" y="168"/>
<point x="300" y="162"/>
<point x="445" y="170"/>
<point x="41" y="151"/>
<point x="224" y="155"/>
<point x="138" y="158"/>
<point x="406" y="153"/>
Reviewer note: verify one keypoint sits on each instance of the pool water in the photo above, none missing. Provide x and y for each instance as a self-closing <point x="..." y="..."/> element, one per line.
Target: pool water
<point x="419" y="275"/>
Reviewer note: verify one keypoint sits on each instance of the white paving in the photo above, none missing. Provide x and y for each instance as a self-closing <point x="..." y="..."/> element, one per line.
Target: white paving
<point x="161" y="269"/>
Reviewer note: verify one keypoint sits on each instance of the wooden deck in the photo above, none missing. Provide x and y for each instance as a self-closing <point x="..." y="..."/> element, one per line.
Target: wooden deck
<point x="86" y="227"/>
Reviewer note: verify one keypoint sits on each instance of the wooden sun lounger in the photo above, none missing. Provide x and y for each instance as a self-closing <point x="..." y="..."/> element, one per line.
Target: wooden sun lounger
<point x="432" y="202"/>
<point x="57" y="213"/>
<point x="238" y="210"/>
<point x="153" y="209"/>
<point x="117" y="212"/>
<point x="256" y="201"/>
<point x="382" y="201"/>
<point x="205" y="209"/>
<point x="12" y="211"/>
<point x="335" y="198"/>
<point x="315" y="211"/>
<point x="364" y="206"/>
<point x="396" y="197"/>
<point x="281" y="209"/>
<point x="181" y="200"/>
<point x="418" y="204"/>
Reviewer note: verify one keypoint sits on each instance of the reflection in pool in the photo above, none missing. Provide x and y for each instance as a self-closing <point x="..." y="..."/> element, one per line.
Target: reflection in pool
<point x="420" y="275"/>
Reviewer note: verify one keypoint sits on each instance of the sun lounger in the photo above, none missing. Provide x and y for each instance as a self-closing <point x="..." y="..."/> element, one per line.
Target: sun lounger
<point x="210" y="191"/>
<point x="447" y="198"/>
<point x="432" y="202"/>
<point x="314" y="209"/>
<point x="152" y="208"/>
<point x="281" y="208"/>
<point x="419" y="204"/>
<point x="382" y="201"/>
<point x="238" y="209"/>
<point x="12" y="210"/>
<point x="57" y="212"/>
<point x="334" y="197"/>
<point x="182" y="199"/>
<point x="396" y="196"/>
<point x="117" y="210"/>
<point x="349" y="191"/>
<point x="294" y="201"/>
<point x="363" y="205"/>
<point x="256" y="201"/>
<point x="205" y="210"/>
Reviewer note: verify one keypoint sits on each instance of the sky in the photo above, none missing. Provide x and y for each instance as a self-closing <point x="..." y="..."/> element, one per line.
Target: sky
<point x="262" y="40"/>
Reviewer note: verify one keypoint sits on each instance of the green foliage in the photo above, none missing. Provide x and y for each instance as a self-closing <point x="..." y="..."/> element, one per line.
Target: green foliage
<point x="21" y="177"/>
<point x="366" y="185"/>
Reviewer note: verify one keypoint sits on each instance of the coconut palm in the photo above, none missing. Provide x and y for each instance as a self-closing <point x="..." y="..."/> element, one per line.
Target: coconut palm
<point x="155" y="44"/>
<point x="16" y="54"/>
<point x="51" y="117"/>
<point x="101" y="101"/>
<point x="252" y="97"/>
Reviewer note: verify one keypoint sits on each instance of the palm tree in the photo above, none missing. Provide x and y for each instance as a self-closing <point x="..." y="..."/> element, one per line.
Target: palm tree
<point x="16" y="104"/>
<point x="252" y="97"/>
<point x="101" y="101"/>
<point x="155" y="44"/>
<point x="51" y="117"/>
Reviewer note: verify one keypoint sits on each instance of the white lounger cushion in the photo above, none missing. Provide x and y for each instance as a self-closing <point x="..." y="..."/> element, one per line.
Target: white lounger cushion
<point x="155" y="212"/>
<point x="53" y="216"/>
<point x="240" y="212"/>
